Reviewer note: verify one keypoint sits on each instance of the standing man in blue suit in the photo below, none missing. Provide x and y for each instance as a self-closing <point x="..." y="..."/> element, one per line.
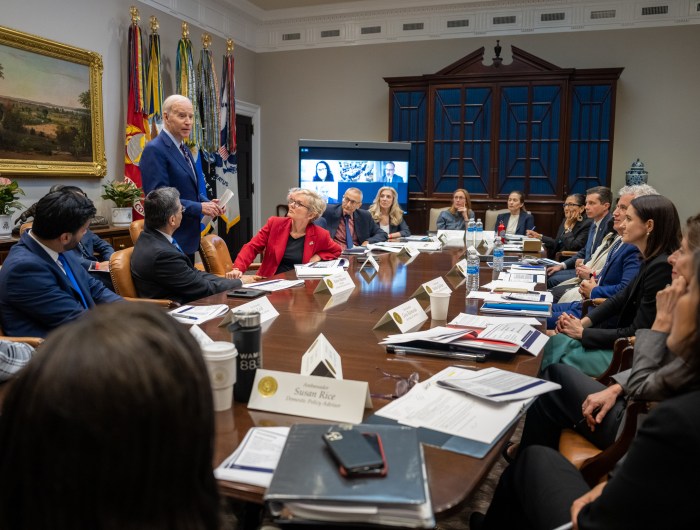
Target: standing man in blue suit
<point x="42" y="284"/>
<point x="598" y="201"/>
<point x="167" y="161"/>
<point x="349" y="225"/>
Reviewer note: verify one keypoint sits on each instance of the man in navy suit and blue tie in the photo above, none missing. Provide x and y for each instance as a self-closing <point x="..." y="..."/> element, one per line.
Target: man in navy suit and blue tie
<point x="598" y="201"/>
<point x="167" y="162"/>
<point x="42" y="284"/>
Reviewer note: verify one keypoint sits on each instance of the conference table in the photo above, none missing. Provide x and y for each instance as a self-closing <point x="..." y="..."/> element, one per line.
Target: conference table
<point x="349" y="328"/>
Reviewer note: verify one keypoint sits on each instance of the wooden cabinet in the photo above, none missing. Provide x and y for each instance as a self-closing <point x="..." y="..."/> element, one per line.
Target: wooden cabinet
<point x="118" y="237"/>
<point x="492" y="129"/>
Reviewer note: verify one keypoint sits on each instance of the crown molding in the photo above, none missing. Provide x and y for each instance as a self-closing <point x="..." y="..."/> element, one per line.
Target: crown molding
<point x="386" y="21"/>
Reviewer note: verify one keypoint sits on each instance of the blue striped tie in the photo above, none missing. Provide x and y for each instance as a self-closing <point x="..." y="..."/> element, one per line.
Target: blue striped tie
<point x="348" y="234"/>
<point x="177" y="246"/>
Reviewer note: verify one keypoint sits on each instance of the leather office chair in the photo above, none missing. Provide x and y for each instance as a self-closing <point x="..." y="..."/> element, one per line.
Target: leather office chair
<point x="120" y="271"/>
<point x="32" y="341"/>
<point x="215" y="255"/>
<point x="432" y="220"/>
<point x="135" y="229"/>
<point x="594" y="463"/>
<point x="490" y="217"/>
<point x="24" y="227"/>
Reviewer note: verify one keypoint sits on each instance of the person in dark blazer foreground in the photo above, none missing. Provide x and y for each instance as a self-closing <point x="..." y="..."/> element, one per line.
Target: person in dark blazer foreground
<point x="37" y="294"/>
<point x="167" y="161"/>
<point x="655" y="486"/>
<point x="362" y="227"/>
<point x="159" y="267"/>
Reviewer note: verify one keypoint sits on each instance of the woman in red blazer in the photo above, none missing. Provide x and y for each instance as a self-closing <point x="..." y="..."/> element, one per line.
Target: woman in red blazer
<point x="286" y="241"/>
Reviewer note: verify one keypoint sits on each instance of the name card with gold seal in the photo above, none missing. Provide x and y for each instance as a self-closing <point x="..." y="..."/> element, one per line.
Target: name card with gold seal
<point x="459" y="270"/>
<point x="407" y="316"/>
<point x="261" y="305"/>
<point x="437" y="285"/>
<point x="336" y="283"/>
<point x="310" y="396"/>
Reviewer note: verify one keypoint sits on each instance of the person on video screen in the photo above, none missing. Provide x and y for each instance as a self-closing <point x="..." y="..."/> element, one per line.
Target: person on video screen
<point x="390" y="173"/>
<point x="323" y="172"/>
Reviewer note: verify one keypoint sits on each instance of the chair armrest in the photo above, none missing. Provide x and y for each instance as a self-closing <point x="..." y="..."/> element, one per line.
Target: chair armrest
<point x="590" y="302"/>
<point x="559" y="256"/>
<point x="170" y="304"/>
<point x="623" y="353"/>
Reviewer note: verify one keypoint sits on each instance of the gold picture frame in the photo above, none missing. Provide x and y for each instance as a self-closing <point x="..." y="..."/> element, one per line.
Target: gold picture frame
<point x="51" y="121"/>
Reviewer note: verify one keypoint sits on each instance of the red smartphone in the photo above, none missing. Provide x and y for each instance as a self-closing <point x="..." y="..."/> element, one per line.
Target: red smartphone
<point x="376" y="442"/>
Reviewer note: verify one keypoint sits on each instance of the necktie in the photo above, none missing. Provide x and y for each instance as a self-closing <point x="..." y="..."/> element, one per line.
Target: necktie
<point x="177" y="246"/>
<point x="71" y="278"/>
<point x="186" y="152"/>
<point x="348" y="234"/>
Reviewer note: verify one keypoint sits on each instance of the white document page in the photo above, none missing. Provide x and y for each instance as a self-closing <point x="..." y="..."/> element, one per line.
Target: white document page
<point x="478" y="321"/>
<point x="255" y="459"/>
<point x="197" y="314"/>
<point x="274" y="285"/>
<point x="500" y="385"/>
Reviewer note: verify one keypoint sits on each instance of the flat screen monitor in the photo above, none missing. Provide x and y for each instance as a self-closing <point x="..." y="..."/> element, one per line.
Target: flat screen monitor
<point x="330" y="167"/>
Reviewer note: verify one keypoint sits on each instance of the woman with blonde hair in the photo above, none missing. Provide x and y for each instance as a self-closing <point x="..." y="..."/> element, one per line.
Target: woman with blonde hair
<point x="387" y="213"/>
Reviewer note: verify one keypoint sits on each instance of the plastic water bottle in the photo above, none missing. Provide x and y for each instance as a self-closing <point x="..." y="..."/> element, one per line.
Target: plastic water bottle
<point x="479" y="232"/>
<point x="497" y="254"/>
<point x="472" y="270"/>
<point x="471" y="232"/>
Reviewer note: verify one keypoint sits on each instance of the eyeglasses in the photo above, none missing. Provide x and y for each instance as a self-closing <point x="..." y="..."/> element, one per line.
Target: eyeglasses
<point x="572" y="205"/>
<point x="295" y="204"/>
<point x="351" y="202"/>
<point x="403" y="384"/>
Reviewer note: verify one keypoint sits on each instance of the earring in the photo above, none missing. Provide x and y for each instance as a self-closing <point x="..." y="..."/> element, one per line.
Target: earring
<point x="579" y="218"/>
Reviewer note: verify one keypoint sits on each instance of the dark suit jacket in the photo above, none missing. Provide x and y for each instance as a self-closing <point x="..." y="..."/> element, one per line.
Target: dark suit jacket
<point x="401" y="228"/>
<point x="572" y="241"/>
<point x="162" y="164"/>
<point x="635" y="306"/>
<point x="272" y="241"/>
<point x="90" y="245"/>
<point x="365" y="227"/>
<point x="585" y="253"/>
<point x="525" y="222"/>
<point x="161" y="271"/>
<point x="36" y="296"/>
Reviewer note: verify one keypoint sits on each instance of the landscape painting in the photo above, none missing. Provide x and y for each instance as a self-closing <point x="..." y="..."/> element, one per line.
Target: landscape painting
<point x="50" y="108"/>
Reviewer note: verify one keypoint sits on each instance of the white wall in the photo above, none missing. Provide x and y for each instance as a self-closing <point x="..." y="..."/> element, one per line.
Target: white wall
<point x="102" y="26"/>
<point x="339" y="93"/>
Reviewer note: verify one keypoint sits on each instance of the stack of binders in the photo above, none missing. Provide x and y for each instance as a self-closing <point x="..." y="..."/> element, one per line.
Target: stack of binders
<point x="307" y="485"/>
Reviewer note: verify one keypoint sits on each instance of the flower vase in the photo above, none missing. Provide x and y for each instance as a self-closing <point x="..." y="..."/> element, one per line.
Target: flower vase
<point x="5" y="226"/>
<point x="122" y="216"/>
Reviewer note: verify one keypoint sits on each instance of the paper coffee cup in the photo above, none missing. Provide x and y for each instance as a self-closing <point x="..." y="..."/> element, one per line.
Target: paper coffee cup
<point x="220" y="358"/>
<point x="439" y="302"/>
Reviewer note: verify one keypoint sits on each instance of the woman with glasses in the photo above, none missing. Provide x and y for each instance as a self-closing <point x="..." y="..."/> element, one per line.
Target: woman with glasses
<point x="287" y="241"/>
<point x="457" y="215"/>
<point x="387" y="214"/>
<point x="573" y="231"/>
<point x="323" y="172"/>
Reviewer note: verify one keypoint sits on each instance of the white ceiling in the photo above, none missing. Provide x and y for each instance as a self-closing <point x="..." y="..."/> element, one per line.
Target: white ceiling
<point x="277" y="25"/>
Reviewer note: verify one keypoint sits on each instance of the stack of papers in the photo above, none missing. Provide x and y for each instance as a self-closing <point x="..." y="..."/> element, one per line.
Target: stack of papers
<point x="357" y="250"/>
<point x="320" y="269"/>
<point x="511" y="306"/>
<point x="498" y="385"/>
<point x="255" y="459"/>
<point x="197" y="314"/>
<point x="274" y="285"/>
<point x="507" y="337"/>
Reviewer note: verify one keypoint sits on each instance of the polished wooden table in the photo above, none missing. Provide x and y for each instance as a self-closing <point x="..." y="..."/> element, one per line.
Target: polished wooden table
<point x="348" y="326"/>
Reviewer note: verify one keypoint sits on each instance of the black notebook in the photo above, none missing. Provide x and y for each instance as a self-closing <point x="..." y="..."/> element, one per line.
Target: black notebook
<point x="307" y="485"/>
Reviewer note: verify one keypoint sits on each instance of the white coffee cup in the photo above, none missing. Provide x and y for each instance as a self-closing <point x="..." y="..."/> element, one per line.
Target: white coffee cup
<point x="439" y="302"/>
<point x="221" y="364"/>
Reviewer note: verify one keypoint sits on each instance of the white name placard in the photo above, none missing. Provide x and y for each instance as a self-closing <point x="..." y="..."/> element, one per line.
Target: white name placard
<point x="437" y="285"/>
<point x="406" y="316"/>
<point x="460" y="269"/>
<point x="409" y="251"/>
<point x="336" y="283"/>
<point x="261" y="305"/>
<point x="373" y="262"/>
<point x="328" y="301"/>
<point x="310" y="396"/>
<point x="322" y="359"/>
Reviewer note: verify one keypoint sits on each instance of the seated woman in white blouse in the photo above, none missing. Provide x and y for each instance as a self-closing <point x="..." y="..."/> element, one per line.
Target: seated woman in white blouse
<point x="517" y="220"/>
<point x="387" y="213"/>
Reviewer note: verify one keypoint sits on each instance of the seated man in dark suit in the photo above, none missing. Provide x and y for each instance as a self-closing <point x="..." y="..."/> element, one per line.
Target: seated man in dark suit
<point x="42" y="284"/>
<point x="348" y="217"/>
<point x="158" y="265"/>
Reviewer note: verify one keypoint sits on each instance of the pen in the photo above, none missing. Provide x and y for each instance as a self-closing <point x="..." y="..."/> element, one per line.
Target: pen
<point x="184" y="310"/>
<point x="180" y="315"/>
<point x="479" y="357"/>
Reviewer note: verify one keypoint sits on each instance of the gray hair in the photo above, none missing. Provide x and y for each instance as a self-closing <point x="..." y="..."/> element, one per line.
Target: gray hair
<point x="315" y="202"/>
<point x="638" y="190"/>
<point x="355" y="190"/>
<point x="159" y="205"/>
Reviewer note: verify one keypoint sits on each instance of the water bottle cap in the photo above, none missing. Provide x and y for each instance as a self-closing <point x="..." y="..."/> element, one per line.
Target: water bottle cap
<point x="246" y="319"/>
